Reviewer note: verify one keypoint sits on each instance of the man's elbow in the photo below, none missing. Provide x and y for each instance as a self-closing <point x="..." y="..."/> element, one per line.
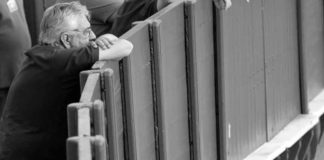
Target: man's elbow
<point x="127" y="47"/>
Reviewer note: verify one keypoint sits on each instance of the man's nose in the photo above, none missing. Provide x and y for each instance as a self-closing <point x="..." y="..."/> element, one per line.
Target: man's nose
<point x="92" y="35"/>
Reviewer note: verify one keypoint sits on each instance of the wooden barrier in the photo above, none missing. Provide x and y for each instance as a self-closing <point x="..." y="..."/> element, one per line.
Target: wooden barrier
<point x="151" y="97"/>
<point x="95" y="118"/>
<point x="171" y="82"/>
<point x="201" y="79"/>
<point x="259" y="79"/>
<point x="179" y="97"/>
<point x="140" y="111"/>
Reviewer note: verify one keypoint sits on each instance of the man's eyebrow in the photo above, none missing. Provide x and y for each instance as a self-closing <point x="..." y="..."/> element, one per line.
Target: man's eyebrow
<point x="82" y="29"/>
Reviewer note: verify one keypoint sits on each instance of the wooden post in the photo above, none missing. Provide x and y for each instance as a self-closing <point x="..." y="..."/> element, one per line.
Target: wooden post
<point x="79" y="119"/>
<point x="99" y="147"/>
<point x="78" y="148"/>
<point x="191" y="66"/>
<point x="110" y="107"/>
<point x="157" y="95"/>
<point x="98" y="116"/>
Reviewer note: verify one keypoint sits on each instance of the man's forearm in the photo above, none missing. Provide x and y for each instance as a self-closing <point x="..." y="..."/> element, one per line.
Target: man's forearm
<point x="121" y="48"/>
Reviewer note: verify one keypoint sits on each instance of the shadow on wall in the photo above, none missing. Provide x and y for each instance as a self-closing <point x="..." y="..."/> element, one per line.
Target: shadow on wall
<point x="309" y="147"/>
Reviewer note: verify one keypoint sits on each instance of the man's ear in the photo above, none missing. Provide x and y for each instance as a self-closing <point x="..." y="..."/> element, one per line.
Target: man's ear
<point x="66" y="40"/>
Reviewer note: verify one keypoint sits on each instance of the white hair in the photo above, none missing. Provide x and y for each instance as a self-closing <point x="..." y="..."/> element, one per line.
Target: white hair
<point x="51" y="26"/>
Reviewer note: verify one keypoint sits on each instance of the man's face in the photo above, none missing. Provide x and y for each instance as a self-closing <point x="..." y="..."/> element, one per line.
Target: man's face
<point x="78" y="32"/>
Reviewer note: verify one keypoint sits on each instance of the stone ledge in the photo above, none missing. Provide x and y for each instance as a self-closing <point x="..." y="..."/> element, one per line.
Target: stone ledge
<point x="316" y="106"/>
<point x="285" y="138"/>
<point x="292" y="132"/>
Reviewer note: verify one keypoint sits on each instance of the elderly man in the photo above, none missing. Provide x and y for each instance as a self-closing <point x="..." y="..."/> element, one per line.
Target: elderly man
<point x="34" y="123"/>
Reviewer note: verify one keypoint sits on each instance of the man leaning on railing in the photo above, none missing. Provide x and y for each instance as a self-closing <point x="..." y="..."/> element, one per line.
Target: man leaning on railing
<point x="34" y="123"/>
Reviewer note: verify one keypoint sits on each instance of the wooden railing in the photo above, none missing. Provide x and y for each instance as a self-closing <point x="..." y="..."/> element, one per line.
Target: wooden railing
<point x="200" y="84"/>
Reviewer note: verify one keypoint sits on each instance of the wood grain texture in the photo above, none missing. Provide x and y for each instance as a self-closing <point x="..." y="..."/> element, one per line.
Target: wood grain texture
<point x="172" y="85"/>
<point x="312" y="39"/>
<point x="281" y="63"/>
<point x="242" y="79"/>
<point x="204" y="61"/>
<point x="137" y="74"/>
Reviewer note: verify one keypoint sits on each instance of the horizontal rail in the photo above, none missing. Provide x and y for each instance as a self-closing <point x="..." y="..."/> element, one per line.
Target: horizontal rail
<point x="91" y="90"/>
<point x="84" y="148"/>
<point x="79" y="119"/>
<point x="85" y="119"/>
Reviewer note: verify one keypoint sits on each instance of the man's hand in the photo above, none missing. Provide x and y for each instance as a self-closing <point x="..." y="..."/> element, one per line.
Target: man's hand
<point x="223" y="4"/>
<point x="106" y="41"/>
<point x="120" y="49"/>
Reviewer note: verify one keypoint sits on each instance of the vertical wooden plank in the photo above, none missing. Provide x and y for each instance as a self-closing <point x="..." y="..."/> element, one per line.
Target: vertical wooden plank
<point x="172" y="87"/>
<point x="242" y="81"/>
<point x="281" y="63"/>
<point x="99" y="147"/>
<point x="311" y="33"/>
<point x="192" y="86"/>
<point x="302" y="67"/>
<point x="78" y="148"/>
<point x="79" y="119"/>
<point x="116" y="93"/>
<point x="203" y="63"/>
<point x="111" y="111"/>
<point x="116" y="102"/>
<point x="98" y="117"/>
<point x="221" y="121"/>
<point x="137" y="74"/>
<point x="157" y="87"/>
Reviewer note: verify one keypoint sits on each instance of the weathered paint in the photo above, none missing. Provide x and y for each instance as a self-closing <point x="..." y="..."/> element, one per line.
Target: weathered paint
<point x="202" y="79"/>
<point x="139" y="98"/>
<point x="242" y="78"/>
<point x="172" y="85"/>
<point x="260" y="65"/>
<point x="281" y="63"/>
<point x="311" y="42"/>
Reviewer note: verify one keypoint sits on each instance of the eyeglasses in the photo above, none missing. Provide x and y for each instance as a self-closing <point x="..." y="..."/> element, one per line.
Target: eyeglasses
<point x="86" y="32"/>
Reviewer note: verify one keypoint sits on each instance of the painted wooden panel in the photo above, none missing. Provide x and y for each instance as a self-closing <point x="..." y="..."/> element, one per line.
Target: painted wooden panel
<point x="78" y="148"/>
<point x="203" y="65"/>
<point x="98" y="118"/>
<point x="242" y="78"/>
<point x="312" y="40"/>
<point x="139" y="95"/>
<point x="79" y="120"/>
<point x="111" y="114"/>
<point x="281" y="63"/>
<point x="117" y="109"/>
<point x="172" y="85"/>
<point x="117" y="104"/>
